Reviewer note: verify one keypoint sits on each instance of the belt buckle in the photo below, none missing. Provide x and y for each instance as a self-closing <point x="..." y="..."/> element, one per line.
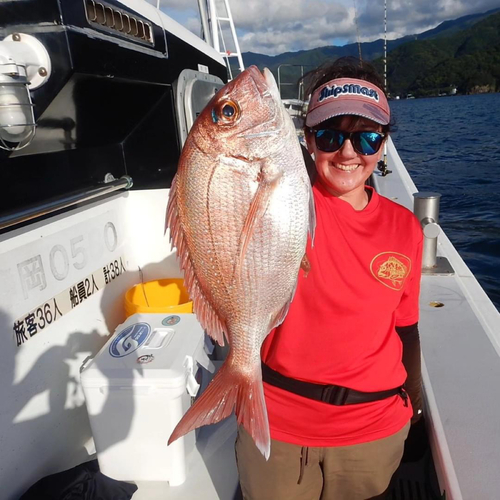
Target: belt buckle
<point x="334" y="395"/>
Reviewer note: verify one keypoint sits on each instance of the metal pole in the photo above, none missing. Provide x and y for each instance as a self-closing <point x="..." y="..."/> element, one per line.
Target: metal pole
<point x="64" y="201"/>
<point x="426" y="209"/>
<point x="385" y="46"/>
<point x="213" y="25"/>
<point x="202" y="6"/>
<point x="385" y="70"/>
<point x="235" y="38"/>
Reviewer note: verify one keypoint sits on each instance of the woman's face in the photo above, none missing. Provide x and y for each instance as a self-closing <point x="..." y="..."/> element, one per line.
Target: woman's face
<point x="343" y="173"/>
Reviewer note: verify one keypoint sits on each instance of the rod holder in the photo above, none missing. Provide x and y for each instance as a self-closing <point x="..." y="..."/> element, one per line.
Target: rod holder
<point x="426" y="209"/>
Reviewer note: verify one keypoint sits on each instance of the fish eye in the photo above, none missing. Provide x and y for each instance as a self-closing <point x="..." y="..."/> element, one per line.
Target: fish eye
<point x="227" y="112"/>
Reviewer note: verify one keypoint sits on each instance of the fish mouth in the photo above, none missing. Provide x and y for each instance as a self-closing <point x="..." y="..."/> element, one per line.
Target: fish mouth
<point x="267" y="87"/>
<point x="271" y="84"/>
<point x="265" y="82"/>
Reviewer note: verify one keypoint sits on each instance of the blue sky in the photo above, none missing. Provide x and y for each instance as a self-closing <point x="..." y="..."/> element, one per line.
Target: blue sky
<point x="273" y="27"/>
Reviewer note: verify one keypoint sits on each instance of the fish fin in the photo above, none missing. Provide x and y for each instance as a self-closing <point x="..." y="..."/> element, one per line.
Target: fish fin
<point x="312" y="217"/>
<point x="305" y="265"/>
<point x="228" y="390"/>
<point x="268" y="179"/>
<point x="204" y="311"/>
<point x="280" y="317"/>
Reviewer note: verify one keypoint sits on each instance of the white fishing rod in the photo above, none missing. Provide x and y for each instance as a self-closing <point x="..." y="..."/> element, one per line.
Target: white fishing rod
<point x="385" y="74"/>
<point x="385" y="69"/>
<point x="385" y="45"/>
<point x="382" y="164"/>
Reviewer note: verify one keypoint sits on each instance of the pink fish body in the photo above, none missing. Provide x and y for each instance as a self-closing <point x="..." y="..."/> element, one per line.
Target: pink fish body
<point x="239" y="211"/>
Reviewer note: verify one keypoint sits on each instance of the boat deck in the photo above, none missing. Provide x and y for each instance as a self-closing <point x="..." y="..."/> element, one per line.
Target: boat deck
<point x="461" y="365"/>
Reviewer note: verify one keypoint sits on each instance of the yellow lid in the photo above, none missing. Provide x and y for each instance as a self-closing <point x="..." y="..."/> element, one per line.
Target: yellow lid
<point x="158" y="296"/>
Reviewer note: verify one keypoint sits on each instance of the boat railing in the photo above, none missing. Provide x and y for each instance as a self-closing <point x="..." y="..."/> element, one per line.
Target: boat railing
<point x="297" y="80"/>
<point x="109" y="185"/>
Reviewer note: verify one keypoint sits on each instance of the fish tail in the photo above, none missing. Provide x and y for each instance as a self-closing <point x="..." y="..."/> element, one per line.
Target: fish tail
<point x="230" y="389"/>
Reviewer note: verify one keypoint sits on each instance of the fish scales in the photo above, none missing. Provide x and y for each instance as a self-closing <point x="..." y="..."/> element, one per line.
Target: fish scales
<point x="240" y="208"/>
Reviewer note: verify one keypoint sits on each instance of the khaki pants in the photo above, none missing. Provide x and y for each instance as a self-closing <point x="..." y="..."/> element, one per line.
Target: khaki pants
<point x="357" y="472"/>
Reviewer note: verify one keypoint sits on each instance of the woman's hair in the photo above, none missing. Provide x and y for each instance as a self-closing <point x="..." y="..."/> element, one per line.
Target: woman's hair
<point x="344" y="67"/>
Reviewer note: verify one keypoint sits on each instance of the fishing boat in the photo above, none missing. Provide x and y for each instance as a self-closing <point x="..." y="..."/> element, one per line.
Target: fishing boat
<point x="96" y="99"/>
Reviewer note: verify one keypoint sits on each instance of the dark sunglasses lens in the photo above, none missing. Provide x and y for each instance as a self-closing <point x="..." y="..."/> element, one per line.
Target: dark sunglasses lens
<point x="368" y="143"/>
<point x="329" y="140"/>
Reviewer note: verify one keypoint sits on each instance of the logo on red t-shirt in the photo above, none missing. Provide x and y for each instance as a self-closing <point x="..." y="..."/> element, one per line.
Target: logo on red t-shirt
<point x="391" y="269"/>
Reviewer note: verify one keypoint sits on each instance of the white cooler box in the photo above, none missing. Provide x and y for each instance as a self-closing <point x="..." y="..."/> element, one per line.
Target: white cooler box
<point x="136" y="389"/>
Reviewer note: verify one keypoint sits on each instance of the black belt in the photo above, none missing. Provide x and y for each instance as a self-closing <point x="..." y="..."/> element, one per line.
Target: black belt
<point x="331" y="394"/>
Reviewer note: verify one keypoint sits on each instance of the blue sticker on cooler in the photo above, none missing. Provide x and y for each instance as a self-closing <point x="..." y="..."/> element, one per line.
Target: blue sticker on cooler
<point x="129" y="340"/>
<point x="171" y="320"/>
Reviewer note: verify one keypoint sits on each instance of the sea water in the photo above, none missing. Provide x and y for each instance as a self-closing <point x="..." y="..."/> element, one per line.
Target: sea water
<point x="451" y="145"/>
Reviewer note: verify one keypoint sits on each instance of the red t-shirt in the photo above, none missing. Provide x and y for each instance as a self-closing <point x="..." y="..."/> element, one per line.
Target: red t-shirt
<point x="340" y="329"/>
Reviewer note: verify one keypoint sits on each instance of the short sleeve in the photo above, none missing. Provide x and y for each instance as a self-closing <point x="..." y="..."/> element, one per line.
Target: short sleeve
<point x="407" y="312"/>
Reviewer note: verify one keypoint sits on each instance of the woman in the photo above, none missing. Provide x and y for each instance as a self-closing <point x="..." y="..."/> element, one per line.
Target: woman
<point x="337" y="373"/>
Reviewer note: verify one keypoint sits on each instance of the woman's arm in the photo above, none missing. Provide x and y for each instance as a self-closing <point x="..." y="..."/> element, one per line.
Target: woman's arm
<point x="411" y="360"/>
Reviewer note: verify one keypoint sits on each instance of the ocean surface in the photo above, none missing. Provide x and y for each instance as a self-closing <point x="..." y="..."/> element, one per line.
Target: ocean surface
<point x="451" y="145"/>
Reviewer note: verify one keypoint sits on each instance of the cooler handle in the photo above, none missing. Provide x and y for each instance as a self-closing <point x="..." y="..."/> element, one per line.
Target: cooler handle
<point x="160" y="337"/>
<point x="192" y="385"/>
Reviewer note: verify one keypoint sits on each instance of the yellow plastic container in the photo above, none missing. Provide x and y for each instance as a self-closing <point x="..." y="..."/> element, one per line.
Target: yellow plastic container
<point x="160" y="296"/>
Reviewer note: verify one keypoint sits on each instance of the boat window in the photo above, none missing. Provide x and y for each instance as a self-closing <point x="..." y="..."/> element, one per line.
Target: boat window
<point x="193" y="91"/>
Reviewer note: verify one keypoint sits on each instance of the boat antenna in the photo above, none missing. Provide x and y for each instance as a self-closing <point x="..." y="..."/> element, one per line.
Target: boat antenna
<point x="357" y="31"/>
<point x="385" y="46"/>
<point x="382" y="164"/>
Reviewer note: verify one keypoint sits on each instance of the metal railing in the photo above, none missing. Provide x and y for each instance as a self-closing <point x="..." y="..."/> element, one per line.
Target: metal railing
<point x="298" y="81"/>
<point x="58" y="203"/>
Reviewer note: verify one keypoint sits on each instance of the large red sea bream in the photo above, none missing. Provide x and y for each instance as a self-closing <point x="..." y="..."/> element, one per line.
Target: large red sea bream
<point x="239" y="211"/>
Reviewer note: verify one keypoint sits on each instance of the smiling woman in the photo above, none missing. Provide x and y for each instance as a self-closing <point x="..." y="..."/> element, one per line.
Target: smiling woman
<point x="342" y="166"/>
<point x="337" y="389"/>
<point x="346" y="125"/>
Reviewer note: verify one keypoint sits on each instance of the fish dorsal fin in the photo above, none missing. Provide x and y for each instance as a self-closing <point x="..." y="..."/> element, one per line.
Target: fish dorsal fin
<point x="312" y="216"/>
<point x="204" y="311"/>
<point x="305" y="265"/>
<point x="268" y="178"/>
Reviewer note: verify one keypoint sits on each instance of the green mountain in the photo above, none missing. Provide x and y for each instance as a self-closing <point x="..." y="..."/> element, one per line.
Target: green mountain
<point x="462" y="54"/>
<point x="468" y="60"/>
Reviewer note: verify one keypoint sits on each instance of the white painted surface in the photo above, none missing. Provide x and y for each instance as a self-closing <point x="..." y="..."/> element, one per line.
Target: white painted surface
<point x="44" y="427"/>
<point x="211" y="469"/>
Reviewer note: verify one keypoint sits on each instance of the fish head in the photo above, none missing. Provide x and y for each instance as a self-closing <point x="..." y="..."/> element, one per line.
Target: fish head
<point x="244" y="118"/>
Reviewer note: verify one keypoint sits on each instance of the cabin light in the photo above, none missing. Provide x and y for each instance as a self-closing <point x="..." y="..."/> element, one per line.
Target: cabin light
<point x="24" y="66"/>
<point x="17" y="123"/>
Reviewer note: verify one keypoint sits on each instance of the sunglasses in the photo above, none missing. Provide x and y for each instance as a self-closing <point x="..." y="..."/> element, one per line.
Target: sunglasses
<point x="365" y="143"/>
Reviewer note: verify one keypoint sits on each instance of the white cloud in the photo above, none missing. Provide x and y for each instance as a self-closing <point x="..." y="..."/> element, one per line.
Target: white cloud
<point x="272" y="27"/>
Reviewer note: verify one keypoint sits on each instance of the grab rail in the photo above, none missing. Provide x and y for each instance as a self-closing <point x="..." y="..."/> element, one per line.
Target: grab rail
<point x="52" y="205"/>
<point x="299" y="83"/>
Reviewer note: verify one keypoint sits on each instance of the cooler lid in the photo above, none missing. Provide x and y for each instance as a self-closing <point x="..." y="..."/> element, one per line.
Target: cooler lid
<point x="148" y="350"/>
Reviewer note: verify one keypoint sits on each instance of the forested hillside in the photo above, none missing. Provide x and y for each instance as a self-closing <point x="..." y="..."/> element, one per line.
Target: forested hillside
<point x="463" y="54"/>
<point x="468" y="60"/>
